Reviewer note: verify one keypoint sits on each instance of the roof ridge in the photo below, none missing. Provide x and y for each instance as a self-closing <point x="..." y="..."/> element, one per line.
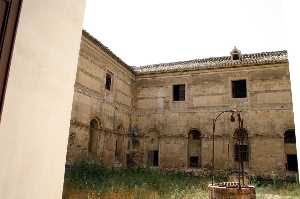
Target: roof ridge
<point x="265" y="57"/>
<point x="218" y="58"/>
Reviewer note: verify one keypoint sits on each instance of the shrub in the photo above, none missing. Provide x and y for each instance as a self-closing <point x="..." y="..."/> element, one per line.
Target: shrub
<point x="86" y="174"/>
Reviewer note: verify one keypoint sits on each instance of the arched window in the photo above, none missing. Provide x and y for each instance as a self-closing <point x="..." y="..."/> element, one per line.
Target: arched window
<point x="94" y="124"/>
<point x="194" y="148"/>
<point x="119" y="144"/>
<point x="241" y="145"/>
<point x="93" y="139"/>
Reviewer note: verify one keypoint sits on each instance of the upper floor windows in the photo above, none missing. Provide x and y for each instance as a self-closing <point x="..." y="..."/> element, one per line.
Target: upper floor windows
<point x="239" y="88"/>
<point x="108" y="81"/>
<point x="179" y="92"/>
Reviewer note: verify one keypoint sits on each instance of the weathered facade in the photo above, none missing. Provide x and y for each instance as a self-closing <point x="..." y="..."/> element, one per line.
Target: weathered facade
<point x="161" y="115"/>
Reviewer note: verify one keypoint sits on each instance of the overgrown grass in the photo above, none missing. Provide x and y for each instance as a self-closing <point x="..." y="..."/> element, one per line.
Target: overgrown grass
<point x="153" y="183"/>
<point x="277" y="187"/>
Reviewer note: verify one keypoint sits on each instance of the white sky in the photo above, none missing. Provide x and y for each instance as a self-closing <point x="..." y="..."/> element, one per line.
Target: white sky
<point x="144" y="32"/>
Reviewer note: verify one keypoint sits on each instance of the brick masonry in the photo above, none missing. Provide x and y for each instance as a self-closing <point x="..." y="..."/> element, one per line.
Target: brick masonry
<point x="139" y="115"/>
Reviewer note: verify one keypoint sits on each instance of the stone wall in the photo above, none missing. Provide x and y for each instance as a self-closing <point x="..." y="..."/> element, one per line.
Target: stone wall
<point x="111" y="108"/>
<point x="267" y="113"/>
<point x="139" y="116"/>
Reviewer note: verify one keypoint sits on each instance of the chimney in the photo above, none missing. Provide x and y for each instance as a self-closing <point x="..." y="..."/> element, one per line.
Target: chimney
<point x="235" y="54"/>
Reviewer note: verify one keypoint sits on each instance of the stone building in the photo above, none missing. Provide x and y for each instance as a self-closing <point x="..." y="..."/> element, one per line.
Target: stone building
<point x="161" y="115"/>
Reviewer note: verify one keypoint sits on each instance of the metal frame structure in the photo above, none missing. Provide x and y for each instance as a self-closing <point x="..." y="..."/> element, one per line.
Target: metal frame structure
<point x="239" y="137"/>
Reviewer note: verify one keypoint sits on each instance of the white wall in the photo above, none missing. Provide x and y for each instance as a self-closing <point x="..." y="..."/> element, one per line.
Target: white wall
<point x="36" y="115"/>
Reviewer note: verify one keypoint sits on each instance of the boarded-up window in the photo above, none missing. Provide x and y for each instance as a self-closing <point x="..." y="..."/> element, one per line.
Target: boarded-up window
<point x="179" y="92"/>
<point x="9" y="13"/>
<point x="239" y="89"/>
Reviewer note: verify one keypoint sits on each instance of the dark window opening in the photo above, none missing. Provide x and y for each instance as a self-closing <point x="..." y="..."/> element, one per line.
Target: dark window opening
<point x="194" y="161"/>
<point x="135" y="143"/>
<point x="153" y="158"/>
<point x="130" y="160"/>
<point x="241" y="151"/>
<point x="108" y="82"/>
<point x="292" y="164"/>
<point x="235" y="56"/>
<point x="195" y="135"/>
<point x="94" y="124"/>
<point x="179" y="92"/>
<point x="289" y="136"/>
<point x="239" y="89"/>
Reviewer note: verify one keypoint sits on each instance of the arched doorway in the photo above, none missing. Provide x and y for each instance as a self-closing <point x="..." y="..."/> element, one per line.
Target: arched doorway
<point x="290" y="150"/>
<point x="93" y="137"/>
<point x="194" y="149"/>
<point x="152" y="143"/>
<point x="119" y="148"/>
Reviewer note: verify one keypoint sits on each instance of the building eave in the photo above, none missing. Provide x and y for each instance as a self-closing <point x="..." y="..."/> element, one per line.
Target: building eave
<point x="262" y="58"/>
<point x="107" y="50"/>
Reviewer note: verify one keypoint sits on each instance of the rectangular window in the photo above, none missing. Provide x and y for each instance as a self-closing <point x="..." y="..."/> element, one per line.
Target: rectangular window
<point x="239" y="89"/>
<point x="244" y="152"/>
<point x="292" y="164"/>
<point x="153" y="158"/>
<point x="289" y="137"/>
<point x="179" y="92"/>
<point x="108" y="81"/>
<point x="194" y="160"/>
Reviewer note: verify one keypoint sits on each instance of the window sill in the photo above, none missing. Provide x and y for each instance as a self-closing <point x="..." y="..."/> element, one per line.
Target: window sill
<point x="178" y="101"/>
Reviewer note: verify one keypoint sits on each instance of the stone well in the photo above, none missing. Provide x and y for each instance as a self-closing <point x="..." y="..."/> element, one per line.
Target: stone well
<point x="231" y="190"/>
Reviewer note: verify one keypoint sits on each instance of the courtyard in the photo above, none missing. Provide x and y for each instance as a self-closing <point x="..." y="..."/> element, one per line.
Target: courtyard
<point x="93" y="181"/>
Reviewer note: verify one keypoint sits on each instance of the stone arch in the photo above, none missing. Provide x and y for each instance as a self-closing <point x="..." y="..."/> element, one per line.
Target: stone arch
<point x="152" y="147"/>
<point x="194" y="148"/>
<point x="120" y="129"/>
<point x="290" y="150"/>
<point x="96" y="122"/>
<point x="94" y="128"/>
